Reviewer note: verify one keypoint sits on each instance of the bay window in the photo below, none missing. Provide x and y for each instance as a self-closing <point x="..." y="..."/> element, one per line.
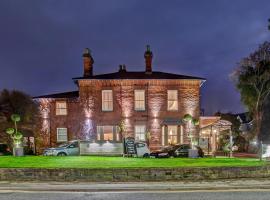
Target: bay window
<point x="108" y="133"/>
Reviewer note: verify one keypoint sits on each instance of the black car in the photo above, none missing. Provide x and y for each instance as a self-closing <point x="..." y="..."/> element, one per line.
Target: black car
<point x="166" y="152"/>
<point x="4" y="150"/>
<point x="183" y="151"/>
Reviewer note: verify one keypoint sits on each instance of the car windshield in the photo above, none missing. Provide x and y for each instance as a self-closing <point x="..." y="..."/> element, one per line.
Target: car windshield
<point x="65" y="144"/>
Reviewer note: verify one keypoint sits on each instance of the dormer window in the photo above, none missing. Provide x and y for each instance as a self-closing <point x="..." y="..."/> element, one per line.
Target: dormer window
<point x="61" y="108"/>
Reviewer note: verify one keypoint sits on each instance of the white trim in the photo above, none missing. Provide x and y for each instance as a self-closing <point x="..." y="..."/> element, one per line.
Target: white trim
<point x="107" y="100"/>
<point x="57" y="132"/>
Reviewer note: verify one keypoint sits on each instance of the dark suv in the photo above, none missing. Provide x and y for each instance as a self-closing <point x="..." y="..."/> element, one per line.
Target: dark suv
<point x="165" y="152"/>
<point x="183" y="150"/>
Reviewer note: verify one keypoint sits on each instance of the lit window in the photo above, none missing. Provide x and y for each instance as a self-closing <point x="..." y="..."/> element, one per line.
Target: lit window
<point x="107" y="100"/>
<point x="117" y="133"/>
<point x="99" y="132"/>
<point x="108" y="133"/>
<point x="105" y="133"/>
<point x="61" y="108"/>
<point x="139" y="100"/>
<point x="172" y="134"/>
<point x="62" y="135"/>
<point x="172" y="99"/>
<point x="140" y="132"/>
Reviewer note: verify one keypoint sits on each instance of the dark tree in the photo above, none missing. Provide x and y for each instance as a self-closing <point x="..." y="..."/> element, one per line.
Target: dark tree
<point x="16" y="102"/>
<point x="252" y="79"/>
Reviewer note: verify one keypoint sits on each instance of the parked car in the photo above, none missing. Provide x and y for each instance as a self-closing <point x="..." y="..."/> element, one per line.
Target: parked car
<point x="67" y="149"/>
<point x="183" y="151"/>
<point x="4" y="150"/>
<point x="165" y="152"/>
<point x="178" y="150"/>
<point x="142" y="149"/>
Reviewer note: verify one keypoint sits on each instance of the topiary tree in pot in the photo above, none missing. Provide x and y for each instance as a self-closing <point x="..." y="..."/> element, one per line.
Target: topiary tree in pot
<point x="188" y="119"/>
<point x="16" y="136"/>
<point x="122" y="129"/>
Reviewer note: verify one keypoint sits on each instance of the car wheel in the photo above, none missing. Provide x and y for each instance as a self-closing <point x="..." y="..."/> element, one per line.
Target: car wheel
<point x="146" y="155"/>
<point x="61" y="154"/>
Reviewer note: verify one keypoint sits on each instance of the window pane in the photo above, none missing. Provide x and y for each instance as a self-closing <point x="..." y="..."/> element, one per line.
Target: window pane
<point x="107" y="100"/>
<point x="172" y="134"/>
<point x="61" y="108"/>
<point x="106" y="131"/>
<point x="140" y="132"/>
<point x="139" y="100"/>
<point x="62" y="135"/>
<point x="172" y="100"/>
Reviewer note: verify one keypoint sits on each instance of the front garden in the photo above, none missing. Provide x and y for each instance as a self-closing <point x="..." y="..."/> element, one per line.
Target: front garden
<point x="99" y="162"/>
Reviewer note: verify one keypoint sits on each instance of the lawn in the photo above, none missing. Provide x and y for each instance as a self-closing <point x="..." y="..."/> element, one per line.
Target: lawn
<point x="119" y="162"/>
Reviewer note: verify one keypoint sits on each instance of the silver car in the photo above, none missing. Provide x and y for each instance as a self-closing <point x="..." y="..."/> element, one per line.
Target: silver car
<point x="68" y="149"/>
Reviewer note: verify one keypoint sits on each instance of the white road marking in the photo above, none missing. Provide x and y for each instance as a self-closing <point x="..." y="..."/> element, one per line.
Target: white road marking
<point x="137" y="191"/>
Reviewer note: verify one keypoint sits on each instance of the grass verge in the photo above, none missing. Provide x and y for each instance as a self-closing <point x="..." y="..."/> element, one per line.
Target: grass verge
<point x="119" y="162"/>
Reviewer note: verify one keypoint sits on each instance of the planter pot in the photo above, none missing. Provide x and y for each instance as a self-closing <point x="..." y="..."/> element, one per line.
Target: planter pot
<point x="193" y="153"/>
<point x="18" y="151"/>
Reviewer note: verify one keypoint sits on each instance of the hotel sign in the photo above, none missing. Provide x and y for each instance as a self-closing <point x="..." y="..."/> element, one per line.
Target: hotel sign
<point x="130" y="145"/>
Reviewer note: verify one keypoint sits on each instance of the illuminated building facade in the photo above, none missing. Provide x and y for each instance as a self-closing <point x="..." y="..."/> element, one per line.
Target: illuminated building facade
<point x="147" y="105"/>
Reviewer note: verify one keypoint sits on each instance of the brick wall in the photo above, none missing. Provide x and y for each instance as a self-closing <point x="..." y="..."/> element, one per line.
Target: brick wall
<point x="125" y="175"/>
<point x="85" y="113"/>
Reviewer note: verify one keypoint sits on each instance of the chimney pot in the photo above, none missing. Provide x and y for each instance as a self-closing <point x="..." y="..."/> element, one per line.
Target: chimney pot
<point x="120" y="68"/>
<point x="148" y="56"/>
<point x="124" y="68"/>
<point x="88" y="62"/>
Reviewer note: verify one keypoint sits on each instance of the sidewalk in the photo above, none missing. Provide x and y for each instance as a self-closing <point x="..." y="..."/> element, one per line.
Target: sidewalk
<point x="239" y="184"/>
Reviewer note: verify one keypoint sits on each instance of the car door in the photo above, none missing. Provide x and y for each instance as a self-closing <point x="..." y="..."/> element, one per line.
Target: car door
<point x="73" y="149"/>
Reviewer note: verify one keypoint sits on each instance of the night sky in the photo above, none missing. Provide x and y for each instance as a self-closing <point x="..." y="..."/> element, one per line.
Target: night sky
<point x="41" y="42"/>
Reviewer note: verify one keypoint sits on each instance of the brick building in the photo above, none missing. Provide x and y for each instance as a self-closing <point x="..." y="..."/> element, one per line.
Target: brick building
<point x="141" y="101"/>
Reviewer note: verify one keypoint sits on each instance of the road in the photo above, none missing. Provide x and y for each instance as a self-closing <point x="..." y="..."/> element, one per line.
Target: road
<point x="138" y="195"/>
<point x="218" y="190"/>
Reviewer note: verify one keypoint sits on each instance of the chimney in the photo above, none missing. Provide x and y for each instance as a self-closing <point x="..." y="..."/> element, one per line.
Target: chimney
<point x="88" y="62"/>
<point x="148" y="55"/>
<point x="122" y="68"/>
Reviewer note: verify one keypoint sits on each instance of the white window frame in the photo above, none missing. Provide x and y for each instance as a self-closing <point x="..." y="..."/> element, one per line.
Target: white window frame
<point x="110" y="132"/>
<point x="169" y="100"/>
<point x="115" y="132"/>
<point x="139" y="103"/>
<point x="57" y="133"/>
<point x="172" y="136"/>
<point x="107" y="101"/>
<point x="61" y="108"/>
<point x="140" y="131"/>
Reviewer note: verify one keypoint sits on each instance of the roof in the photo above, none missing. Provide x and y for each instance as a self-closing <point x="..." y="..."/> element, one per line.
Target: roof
<point x="72" y="94"/>
<point x="140" y="75"/>
<point x="206" y="121"/>
<point x="121" y="75"/>
<point x="244" y="117"/>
